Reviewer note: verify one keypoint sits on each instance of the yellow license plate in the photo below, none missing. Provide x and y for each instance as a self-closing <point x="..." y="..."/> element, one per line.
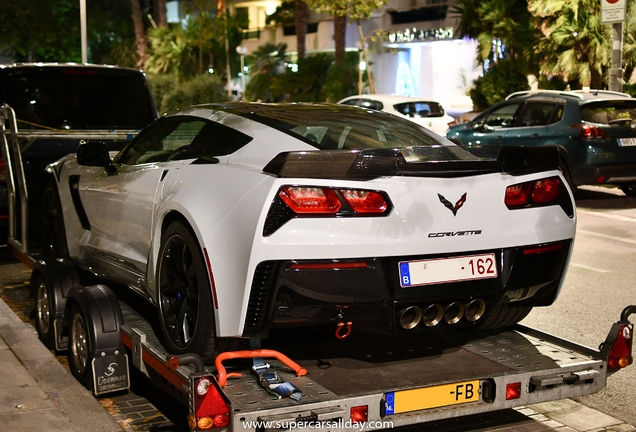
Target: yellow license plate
<point x="431" y="397"/>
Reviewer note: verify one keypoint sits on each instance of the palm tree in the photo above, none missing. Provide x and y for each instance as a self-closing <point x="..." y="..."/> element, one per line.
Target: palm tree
<point x="267" y="61"/>
<point x="574" y="43"/>
<point x="140" y="33"/>
<point x="300" y="21"/>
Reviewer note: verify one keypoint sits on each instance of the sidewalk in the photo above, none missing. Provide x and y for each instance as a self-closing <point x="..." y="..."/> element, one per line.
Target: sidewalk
<point x="36" y="392"/>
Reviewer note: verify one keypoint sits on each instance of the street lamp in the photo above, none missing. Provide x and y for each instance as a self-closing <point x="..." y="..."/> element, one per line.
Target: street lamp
<point x="242" y="50"/>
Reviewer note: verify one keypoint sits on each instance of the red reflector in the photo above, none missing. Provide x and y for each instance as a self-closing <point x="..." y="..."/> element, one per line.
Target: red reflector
<point x="359" y="414"/>
<point x="173" y="363"/>
<point x="513" y="390"/>
<point x="208" y="402"/>
<point x="517" y="194"/>
<point x="542" y="249"/>
<point x="362" y="201"/>
<point x="3" y="171"/>
<point x="329" y="266"/>
<point x="600" y="179"/>
<point x="310" y="199"/>
<point x="621" y="353"/>
<point x="546" y="190"/>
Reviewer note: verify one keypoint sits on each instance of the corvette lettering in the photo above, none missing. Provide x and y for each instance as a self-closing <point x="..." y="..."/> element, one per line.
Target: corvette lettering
<point x="454" y="233"/>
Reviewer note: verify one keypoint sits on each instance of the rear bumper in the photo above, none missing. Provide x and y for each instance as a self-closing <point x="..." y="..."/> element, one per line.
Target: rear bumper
<point x="284" y="295"/>
<point x="615" y="174"/>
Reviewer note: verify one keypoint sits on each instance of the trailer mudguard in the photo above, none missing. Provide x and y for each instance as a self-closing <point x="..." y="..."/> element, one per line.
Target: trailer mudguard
<point x="103" y="318"/>
<point x="59" y="275"/>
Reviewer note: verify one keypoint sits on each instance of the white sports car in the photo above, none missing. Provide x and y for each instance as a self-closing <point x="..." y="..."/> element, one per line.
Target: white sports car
<point x="234" y="219"/>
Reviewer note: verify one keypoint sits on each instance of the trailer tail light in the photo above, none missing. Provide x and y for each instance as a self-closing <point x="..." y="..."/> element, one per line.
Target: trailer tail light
<point x="533" y="193"/>
<point x="588" y="131"/>
<point x="513" y="390"/>
<point x="620" y="355"/>
<point x="359" y="414"/>
<point x="210" y="409"/>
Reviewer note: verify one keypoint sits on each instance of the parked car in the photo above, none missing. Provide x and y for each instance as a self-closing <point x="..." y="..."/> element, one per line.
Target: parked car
<point x="595" y="132"/>
<point x="236" y="218"/>
<point x="424" y="112"/>
<point x="80" y="100"/>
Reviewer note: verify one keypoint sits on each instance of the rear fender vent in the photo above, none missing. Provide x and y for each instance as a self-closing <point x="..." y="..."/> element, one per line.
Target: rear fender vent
<point x="260" y="294"/>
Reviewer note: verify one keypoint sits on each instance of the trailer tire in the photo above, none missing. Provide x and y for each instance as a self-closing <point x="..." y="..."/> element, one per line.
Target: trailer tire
<point x="52" y="231"/>
<point x="44" y="312"/>
<point x="503" y="315"/>
<point x="186" y="310"/>
<point x="79" y="358"/>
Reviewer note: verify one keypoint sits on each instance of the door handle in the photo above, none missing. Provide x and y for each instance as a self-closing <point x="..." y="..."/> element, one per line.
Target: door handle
<point x="535" y="136"/>
<point x="499" y="137"/>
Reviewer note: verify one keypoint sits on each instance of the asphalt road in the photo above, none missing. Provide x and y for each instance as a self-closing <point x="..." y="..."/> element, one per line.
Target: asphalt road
<point x="601" y="281"/>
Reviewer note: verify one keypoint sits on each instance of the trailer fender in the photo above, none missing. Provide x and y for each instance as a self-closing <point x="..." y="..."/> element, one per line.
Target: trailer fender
<point x="100" y="307"/>
<point x="51" y="281"/>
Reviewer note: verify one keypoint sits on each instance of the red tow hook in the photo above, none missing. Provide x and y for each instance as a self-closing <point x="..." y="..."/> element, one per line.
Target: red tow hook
<point x="343" y="330"/>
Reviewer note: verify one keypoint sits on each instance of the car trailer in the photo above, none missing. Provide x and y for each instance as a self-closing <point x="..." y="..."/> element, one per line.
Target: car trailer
<point x="331" y="380"/>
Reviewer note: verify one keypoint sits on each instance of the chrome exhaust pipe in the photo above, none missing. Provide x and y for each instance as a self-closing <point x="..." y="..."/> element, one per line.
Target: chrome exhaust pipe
<point x="474" y="310"/>
<point x="432" y="315"/>
<point x="410" y="317"/>
<point x="453" y="312"/>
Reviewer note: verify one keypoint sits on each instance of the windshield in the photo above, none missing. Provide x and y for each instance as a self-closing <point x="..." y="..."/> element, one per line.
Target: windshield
<point x="612" y="113"/>
<point x="78" y="98"/>
<point x="333" y="127"/>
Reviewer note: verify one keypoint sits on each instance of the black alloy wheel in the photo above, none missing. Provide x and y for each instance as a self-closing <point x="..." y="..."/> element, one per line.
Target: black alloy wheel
<point x="52" y="231"/>
<point x="186" y="310"/>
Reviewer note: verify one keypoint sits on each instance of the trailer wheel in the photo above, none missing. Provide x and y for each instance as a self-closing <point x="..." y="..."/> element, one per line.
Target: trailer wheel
<point x="52" y="231"/>
<point x="186" y="310"/>
<point x="502" y="315"/>
<point x="44" y="314"/>
<point x="79" y="359"/>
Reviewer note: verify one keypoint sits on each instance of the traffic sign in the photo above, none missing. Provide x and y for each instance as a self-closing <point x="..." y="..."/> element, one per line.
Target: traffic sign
<point x="613" y="11"/>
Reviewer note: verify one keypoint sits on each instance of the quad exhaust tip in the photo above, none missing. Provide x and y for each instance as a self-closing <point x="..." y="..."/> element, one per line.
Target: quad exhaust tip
<point x="410" y="317"/>
<point x="453" y="312"/>
<point x="432" y="315"/>
<point x="474" y="310"/>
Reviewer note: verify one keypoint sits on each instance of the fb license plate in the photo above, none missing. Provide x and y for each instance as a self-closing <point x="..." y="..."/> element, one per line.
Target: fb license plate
<point x="626" y="142"/>
<point x="431" y="397"/>
<point x="444" y="270"/>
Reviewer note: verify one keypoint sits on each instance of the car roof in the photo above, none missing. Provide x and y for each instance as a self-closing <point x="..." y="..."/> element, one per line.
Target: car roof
<point x="580" y="95"/>
<point x="388" y="98"/>
<point x="51" y="65"/>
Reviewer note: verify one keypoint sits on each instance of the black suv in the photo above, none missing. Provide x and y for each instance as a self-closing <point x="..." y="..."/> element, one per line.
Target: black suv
<point x="595" y="131"/>
<point x="71" y="98"/>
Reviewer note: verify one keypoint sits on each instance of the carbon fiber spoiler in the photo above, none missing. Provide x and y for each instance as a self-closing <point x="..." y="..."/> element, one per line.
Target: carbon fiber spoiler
<point x="440" y="161"/>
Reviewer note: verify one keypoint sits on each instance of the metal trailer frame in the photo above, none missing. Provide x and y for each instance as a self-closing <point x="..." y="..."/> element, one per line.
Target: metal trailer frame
<point x="13" y="143"/>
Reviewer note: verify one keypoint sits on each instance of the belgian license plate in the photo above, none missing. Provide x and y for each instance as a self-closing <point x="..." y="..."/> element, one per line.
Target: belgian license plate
<point x="626" y="142"/>
<point x="444" y="270"/>
<point x="431" y="397"/>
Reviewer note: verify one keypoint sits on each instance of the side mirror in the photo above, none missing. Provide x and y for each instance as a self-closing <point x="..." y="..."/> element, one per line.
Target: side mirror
<point x="95" y="154"/>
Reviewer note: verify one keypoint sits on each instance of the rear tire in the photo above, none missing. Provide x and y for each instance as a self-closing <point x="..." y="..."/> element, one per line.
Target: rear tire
<point x="503" y="315"/>
<point x="44" y="314"/>
<point x="79" y="358"/>
<point x="52" y="231"/>
<point x="186" y="310"/>
<point x="629" y="189"/>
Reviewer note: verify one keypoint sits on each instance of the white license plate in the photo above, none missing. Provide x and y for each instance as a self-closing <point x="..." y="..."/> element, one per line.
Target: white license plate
<point x="626" y="142"/>
<point x="444" y="270"/>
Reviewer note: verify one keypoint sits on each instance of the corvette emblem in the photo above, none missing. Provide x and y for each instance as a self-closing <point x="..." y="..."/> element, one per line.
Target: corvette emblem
<point x="450" y="206"/>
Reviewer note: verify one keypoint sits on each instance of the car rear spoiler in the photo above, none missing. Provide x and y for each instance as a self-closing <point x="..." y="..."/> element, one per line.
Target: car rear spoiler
<point x="439" y="161"/>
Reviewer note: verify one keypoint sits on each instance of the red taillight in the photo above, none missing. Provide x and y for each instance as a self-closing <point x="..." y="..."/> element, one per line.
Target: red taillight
<point x="453" y="123"/>
<point x="620" y="355"/>
<point x="362" y="201"/>
<point x="544" y="191"/>
<point x="589" y="131"/>
<point x="329" y="265"/>
<point x="543" y="249"/>
<point x="310" y="199"/>
<point x="513" y="391"/>
<point x="315" y="200"/>
<point x="210" y="409"/>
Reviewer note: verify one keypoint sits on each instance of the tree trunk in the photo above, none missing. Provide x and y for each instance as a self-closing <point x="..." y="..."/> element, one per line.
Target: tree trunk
<point x="140" y="33"/>
<point x="160" y="13"/>
<point x="339" y="33"/>
<point x="300" y="21"/>
<point x="372" y="87"/>
<point x="596" y="81"/>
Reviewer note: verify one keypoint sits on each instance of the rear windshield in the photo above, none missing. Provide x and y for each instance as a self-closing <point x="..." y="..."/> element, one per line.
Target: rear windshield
<point x="612" y="113"/>
<point x="341" y="127"/>
<point x="420" y="109"/>
<point x="77" y="98"/>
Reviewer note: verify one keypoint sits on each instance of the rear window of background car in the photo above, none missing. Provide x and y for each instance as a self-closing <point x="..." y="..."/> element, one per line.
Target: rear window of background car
<point x="420" y="109"/>
<point x="613" y="113"/>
